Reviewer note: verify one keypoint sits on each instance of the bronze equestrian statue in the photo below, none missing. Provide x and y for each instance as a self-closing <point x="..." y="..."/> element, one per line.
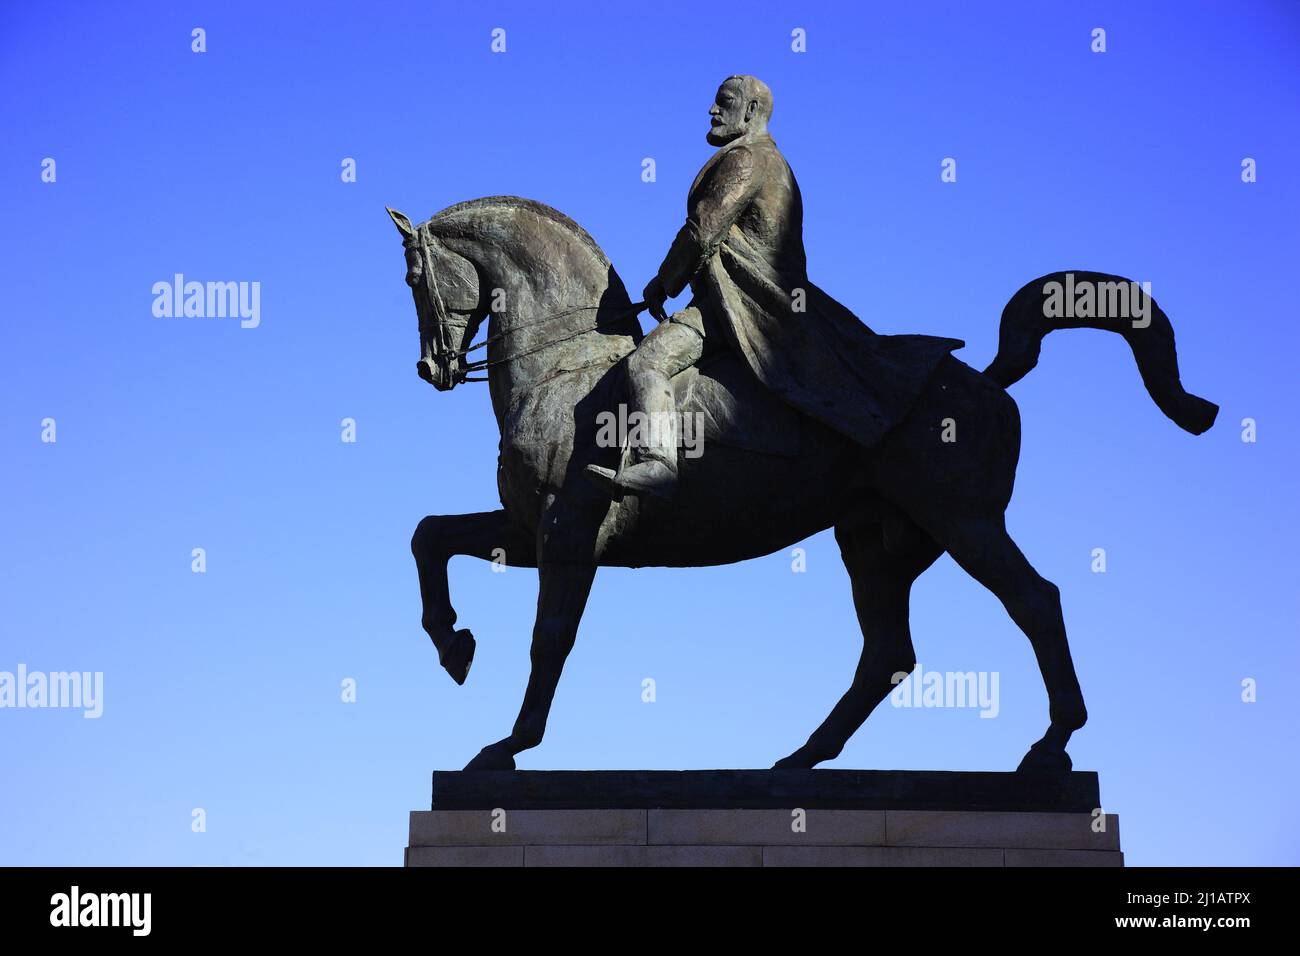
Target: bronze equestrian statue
<point x="809" y="421"/>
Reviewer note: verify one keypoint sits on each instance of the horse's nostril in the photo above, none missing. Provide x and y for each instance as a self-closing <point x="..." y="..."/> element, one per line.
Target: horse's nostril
<point x="425" y="369"/>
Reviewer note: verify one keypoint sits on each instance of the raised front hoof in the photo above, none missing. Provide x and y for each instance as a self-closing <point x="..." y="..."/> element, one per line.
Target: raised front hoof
<point x="492" y="757"/>
<point x="1045" y="760"/>
<point x="799" y="760"/>
<point x="459" y="655"/>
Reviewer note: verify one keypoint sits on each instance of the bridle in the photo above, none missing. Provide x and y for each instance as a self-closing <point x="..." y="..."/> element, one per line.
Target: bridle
<point x="444" y="352"/>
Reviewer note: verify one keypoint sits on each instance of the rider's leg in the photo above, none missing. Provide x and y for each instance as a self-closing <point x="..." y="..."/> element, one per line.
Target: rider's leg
<point x="669" y="349"/>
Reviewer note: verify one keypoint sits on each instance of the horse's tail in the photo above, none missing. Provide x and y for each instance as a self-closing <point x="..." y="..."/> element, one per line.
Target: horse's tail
<point x="1096" y="300"/>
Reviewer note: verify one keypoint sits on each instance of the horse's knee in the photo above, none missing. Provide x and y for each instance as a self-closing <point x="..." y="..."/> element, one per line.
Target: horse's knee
<point x="424" y="542"/>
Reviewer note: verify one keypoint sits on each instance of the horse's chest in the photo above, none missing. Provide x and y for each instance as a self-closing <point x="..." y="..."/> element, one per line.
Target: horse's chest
<point x="536" y="444"/>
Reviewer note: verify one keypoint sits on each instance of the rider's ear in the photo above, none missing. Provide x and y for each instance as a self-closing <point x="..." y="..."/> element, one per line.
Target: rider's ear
<point x="403" y="224"/>
<point x="750" y="110"/>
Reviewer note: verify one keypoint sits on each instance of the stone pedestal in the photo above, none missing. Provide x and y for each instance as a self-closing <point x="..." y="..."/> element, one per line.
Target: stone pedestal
<point x="763" y="818"/>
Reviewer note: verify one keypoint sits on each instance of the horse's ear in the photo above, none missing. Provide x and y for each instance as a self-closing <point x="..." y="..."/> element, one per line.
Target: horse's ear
<point x="403" y="224"/>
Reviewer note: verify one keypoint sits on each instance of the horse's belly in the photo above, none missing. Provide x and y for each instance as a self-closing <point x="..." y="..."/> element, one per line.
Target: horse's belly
<point x="731" y="505"/>
<point x="762" y="479"/>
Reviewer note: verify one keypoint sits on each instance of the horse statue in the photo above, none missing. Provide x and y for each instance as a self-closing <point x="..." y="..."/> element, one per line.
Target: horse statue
<point x="560" y="322"/>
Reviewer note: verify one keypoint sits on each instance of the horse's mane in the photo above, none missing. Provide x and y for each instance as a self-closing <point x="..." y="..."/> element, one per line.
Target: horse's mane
<point x="452" y="217"/>
<point x="493" y="219"/>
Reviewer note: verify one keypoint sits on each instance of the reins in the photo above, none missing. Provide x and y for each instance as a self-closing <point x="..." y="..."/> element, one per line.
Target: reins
<point x="482" y="365"/>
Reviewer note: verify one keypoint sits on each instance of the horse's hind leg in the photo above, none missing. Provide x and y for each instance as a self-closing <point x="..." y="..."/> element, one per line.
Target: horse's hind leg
<point x="882" y="560"/>
<point x="487" y="535"/>
<point x="984" y="549"/>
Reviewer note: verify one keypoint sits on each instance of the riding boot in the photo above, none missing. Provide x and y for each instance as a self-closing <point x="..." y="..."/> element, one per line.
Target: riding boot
<point x="652" y="451"/>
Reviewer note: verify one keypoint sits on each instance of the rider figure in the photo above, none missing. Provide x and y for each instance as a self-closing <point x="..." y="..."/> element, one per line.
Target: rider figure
<point x="741" y="251"/>
<point x="745" y="184"/>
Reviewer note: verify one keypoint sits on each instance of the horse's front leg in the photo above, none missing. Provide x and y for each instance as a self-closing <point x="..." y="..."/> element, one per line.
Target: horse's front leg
<point x="563" y="596"/>
<point x="487" y="535"/>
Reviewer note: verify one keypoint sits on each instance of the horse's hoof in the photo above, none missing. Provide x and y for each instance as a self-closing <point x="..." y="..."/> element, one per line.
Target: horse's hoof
<point x="1042" y="760"/>
<point x="798" y="760"/>
<point x="459" y="656"/>
<point x="492" y="757"/>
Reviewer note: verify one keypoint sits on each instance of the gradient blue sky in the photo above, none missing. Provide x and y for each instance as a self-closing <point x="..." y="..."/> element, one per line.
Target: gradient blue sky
<point x="222" y="690"/>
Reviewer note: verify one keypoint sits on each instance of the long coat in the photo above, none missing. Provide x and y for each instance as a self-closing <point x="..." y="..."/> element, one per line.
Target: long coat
<point x="741" y="250"/>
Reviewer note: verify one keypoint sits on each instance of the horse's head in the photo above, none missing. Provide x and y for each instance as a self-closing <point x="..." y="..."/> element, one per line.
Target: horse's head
<point x="448" y="303"/>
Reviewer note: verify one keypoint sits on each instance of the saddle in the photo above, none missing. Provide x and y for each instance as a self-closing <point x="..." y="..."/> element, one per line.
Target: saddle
<point x="734" y="409"/>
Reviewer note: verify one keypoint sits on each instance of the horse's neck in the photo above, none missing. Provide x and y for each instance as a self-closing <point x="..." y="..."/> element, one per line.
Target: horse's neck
<point x="552" y="325"/>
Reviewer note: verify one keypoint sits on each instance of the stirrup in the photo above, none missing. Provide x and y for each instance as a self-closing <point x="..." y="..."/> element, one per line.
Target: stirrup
<point x="649" y="477"/>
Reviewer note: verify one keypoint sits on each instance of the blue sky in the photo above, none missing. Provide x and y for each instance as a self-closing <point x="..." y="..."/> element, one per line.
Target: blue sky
<point x="222" y="689"/>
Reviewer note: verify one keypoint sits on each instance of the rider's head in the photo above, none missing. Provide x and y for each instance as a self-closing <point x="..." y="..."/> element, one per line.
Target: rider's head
<point x="743" y="105"/>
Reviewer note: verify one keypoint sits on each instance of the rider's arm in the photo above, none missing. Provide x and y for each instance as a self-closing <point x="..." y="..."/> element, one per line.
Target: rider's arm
<point x="731" y="186"/>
